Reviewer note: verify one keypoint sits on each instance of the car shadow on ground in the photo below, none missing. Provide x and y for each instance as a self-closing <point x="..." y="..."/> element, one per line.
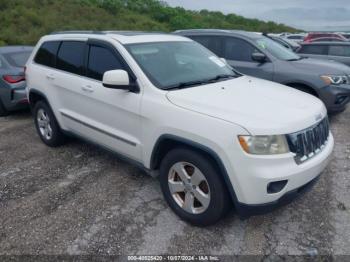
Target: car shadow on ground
<point x="17" y="115"/>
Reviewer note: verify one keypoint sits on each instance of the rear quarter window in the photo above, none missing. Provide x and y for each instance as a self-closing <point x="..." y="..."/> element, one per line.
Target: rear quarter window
<point x="46" y="54"/>
<point x="17" y="59"/>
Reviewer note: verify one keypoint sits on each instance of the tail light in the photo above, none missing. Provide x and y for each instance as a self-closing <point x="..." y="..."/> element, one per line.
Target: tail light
<point x="11" y="79"/>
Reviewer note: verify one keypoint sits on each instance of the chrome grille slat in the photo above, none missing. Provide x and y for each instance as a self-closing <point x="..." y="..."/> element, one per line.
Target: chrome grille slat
<point x="318" y="137"/>
<point x="309" y="142"/>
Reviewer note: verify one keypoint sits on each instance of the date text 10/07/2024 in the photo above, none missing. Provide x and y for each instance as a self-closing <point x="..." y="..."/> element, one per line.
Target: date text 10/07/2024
<point x="173" y="258"/>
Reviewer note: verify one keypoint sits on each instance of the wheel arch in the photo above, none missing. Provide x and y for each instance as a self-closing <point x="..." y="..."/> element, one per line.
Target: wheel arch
<point x="303" y="85"/>
<point x="35" y="96"/>
<point x="167" y="142"/>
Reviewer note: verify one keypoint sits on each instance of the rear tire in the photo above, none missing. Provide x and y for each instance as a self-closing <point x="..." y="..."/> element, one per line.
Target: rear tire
<point x="3" y="111"/>
<point x="47" y="125"/>
<point x="193" y="187"/>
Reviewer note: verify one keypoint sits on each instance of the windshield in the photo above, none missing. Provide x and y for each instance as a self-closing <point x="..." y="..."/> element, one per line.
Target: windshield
<point x="276" y="49"/>
<point x="178" y="64"/>
<point x="17" y="59"/>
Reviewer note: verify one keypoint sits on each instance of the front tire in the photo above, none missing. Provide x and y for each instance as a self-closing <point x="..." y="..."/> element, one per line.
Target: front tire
<point x="47" y="125"/>
<point x="193" y="188"/>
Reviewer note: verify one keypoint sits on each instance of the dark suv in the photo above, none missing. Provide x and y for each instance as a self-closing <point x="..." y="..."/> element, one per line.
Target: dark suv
<point x="256" y="55"/>
<point x="337" y="51"/>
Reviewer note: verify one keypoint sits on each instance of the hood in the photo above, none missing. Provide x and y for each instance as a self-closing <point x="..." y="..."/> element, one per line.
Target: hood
<point x="321" y="66"/>
<point x="261" y="107"/>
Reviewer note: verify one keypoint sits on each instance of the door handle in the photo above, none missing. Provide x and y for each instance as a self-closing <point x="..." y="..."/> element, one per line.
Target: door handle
<point x="50" y="76"/>
<point x="87" y="89"/>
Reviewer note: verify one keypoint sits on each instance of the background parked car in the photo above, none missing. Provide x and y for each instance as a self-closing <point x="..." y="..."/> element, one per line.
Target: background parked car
<point x="12" y="80"/>
<point x="337" y="51"/>
<point x="297" y="38"/>
<point x="327" y="39"/>
<point x="312" y="36"/>
<point x="259" y="56"/>
<point x="346" y="35"/>
<point x="289" y="44"/>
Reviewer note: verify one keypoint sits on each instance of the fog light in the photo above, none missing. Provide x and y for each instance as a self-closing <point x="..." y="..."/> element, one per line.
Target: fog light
<point x="340" y="100"/>
<point x="275" y="187"/>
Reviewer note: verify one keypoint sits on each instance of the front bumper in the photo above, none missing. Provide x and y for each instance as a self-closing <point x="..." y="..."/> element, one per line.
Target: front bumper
<point x="335" y="97"/>
<point x="246" y="211"/>
<point x="256" y="173"/>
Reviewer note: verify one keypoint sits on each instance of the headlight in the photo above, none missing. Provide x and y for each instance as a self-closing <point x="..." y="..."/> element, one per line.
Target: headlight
<point x="335" y="80"/>
<point x="264" y="145"/>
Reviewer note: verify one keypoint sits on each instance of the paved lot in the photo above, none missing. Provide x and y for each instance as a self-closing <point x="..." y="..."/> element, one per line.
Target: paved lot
<point x="78" y="199"/>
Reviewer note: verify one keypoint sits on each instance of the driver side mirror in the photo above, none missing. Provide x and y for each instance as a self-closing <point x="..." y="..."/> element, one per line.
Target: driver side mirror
<point x="118" y="79"/>
<point x="259" y="57"/>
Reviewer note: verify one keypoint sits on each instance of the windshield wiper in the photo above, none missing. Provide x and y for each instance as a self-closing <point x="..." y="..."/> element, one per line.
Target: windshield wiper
<point x="295" y="59"/>
<point x="200" y="82"/>
<point x="222" y="76"/>
<point x="186" y="84"/>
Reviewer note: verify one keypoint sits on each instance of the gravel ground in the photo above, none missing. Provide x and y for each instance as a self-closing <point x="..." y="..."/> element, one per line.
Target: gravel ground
<point x="81" y="200"/>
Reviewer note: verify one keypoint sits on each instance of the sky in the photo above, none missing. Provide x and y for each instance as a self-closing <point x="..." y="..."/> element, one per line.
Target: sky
<point x="303" y="14"/>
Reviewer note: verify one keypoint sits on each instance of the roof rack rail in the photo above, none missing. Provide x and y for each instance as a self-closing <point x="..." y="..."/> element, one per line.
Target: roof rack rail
<point x="77" y="32"/>
<point x="121" y="32"/>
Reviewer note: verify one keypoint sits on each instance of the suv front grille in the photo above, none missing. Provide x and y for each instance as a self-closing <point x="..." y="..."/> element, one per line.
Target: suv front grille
<point x="309" y="142"/>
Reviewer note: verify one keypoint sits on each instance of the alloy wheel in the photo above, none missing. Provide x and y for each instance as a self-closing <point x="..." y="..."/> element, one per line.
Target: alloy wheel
<point x="44" y="124"/>
<point x="189" y="187"/>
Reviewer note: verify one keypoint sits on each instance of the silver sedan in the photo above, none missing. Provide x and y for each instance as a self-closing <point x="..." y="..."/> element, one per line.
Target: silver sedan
<point x="12" y="78"/>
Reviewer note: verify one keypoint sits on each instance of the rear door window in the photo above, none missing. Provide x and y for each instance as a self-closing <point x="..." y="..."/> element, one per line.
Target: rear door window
<point x="338" y="50"/>
<point x="314" y="49"/>
<point x="100" y="61"/>
<point x="70" y="57"/>
<point x="46" y="54"/>
<point x="213" y="43"/>
<point x="238" y="49"/>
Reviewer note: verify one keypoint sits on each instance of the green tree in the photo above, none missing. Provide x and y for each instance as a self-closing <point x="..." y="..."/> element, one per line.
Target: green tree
<point x="25" y="21"/>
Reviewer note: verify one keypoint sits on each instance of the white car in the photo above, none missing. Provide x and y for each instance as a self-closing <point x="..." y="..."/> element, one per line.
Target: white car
<point x="297" y="38"/>
<point x="216" y="138"/>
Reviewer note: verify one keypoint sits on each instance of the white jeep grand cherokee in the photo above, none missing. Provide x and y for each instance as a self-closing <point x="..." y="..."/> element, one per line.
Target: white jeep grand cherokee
<point x="215" y="137"/>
